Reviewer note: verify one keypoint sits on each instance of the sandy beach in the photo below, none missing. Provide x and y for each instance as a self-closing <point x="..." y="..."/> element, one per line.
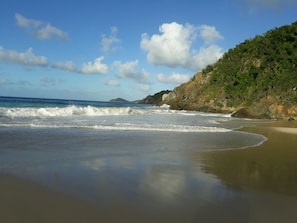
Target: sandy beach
<point x="25" y="201"/>
<point x="264" y="176"/>
<point x="266" y="172"/>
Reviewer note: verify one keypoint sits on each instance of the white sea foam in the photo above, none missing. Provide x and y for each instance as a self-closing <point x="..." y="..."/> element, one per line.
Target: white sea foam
<point x="71" y="110"/>
<point x="138" y="118"/>
<point x="165" y="106"/>
<point x="165" y="128"/>
<point x="123" y="127"/>
<point x="164" y="110"/>
<point x="216" y="115"/>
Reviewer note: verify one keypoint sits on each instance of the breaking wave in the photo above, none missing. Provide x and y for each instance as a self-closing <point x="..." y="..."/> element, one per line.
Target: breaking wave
<point x="107" y="118"/>
<point x="71" y="110"/>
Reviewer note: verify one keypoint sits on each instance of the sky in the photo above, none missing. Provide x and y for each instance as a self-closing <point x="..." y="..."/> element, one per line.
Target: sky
<point x="105" y="49"/>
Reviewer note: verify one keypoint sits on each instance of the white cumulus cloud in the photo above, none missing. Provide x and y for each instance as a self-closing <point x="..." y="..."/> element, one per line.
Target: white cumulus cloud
<point x="48" y="32"/>
<point x="27" y="23"/>
<point x="96" y="67"/>
<point x="108" y="42"/>
<point x="209" y="33"/>
<point x="128" y="71"/>
<point x="205" y="56"/>
<point x="27" y="58"/>
<point x="67" y="66"/>
<point x="173" y="46"/>
<point x="41" y="30"/>
<point x="173" y="78"/>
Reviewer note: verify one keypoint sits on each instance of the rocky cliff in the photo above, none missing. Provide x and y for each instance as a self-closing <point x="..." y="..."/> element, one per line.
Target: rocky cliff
<point x="155" y="99"/>
<point x="256" y="79"/>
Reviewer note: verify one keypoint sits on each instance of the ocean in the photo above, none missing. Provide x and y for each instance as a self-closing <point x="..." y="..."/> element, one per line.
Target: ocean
<point x="134" y="121"/>
<point x="120" y="153"/>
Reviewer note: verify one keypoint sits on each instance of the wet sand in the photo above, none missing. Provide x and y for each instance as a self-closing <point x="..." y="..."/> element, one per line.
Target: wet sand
<point x="265" y="177"/>
<point x="272" y="166"/>
<point x="23" y="201"/>
<point x="266" y="173"/>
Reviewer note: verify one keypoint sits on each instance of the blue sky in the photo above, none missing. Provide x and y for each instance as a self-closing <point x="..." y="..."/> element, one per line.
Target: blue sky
<point x="104" y="49"/>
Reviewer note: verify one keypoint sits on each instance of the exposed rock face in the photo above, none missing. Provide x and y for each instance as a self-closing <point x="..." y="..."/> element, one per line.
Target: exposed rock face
<point x="191" y="96"/>
<point x="272" y="111"/>
<point x="194" y="96"/>
<point x="164" y="96"/>
<point x="155" y="99"/>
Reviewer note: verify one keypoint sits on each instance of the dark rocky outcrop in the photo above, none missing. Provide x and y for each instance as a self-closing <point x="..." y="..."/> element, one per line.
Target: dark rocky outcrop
<point x="155" y="99"/>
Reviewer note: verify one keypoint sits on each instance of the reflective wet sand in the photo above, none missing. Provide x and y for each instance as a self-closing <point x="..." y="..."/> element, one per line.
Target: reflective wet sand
<point x="249" y="185"/>
<point x="270" y="167"/>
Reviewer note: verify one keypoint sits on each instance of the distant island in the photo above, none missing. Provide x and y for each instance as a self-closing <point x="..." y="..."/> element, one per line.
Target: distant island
<point x="120" y="100"/>
<point x="256" y="79"/>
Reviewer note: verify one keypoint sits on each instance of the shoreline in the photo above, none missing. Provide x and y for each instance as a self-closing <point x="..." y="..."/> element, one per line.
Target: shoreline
<point x="266" y="171"/>
<point x="270" y="166"/>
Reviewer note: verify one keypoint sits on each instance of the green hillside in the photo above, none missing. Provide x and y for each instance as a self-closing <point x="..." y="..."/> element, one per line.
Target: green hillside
<point x="258" y="76"/>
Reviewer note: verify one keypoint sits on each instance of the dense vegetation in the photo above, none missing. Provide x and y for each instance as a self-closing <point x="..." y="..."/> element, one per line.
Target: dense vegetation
<point x="257" y="78"/>
<point x="265" y="65"/>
